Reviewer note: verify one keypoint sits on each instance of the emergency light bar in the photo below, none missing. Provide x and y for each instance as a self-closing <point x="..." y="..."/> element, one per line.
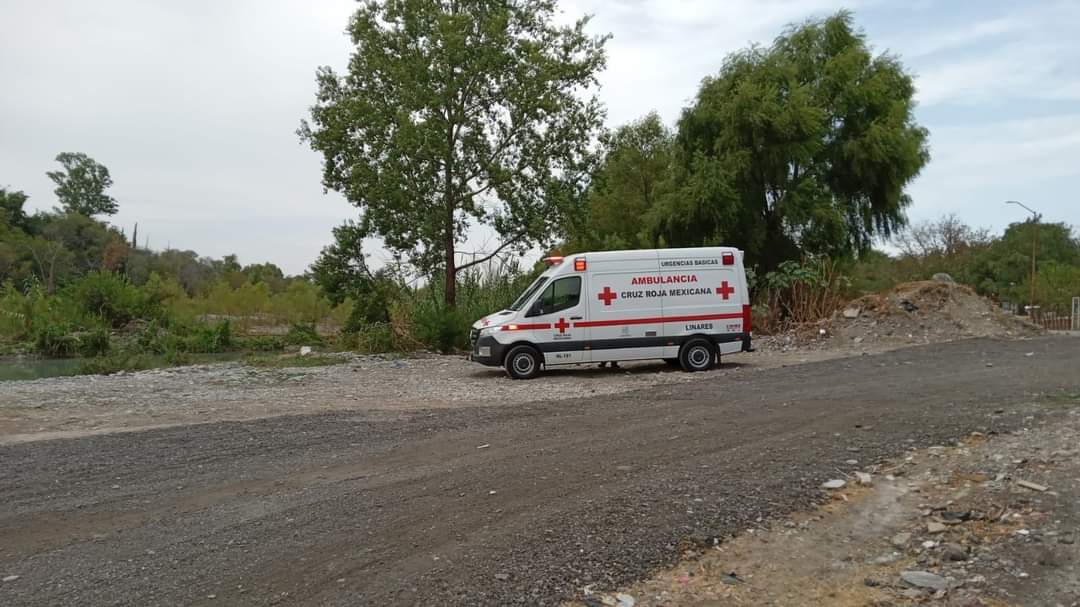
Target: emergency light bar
<point x="553" y="260"/>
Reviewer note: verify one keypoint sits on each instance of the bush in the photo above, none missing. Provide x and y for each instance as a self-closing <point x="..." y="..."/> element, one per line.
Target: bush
<point x="54" y="341"/>
<point x="207" y="339"/>
<point x="303" y="334"/>
<point x="376" y="338"/>
<point x="94" y="343"/>
<point x="260" y="343"/>
<point x="112" y="298"/>
<point x="441" y="328"/>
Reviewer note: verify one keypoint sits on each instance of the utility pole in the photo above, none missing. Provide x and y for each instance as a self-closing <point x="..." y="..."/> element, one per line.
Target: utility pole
<point x="1034" y="252"/>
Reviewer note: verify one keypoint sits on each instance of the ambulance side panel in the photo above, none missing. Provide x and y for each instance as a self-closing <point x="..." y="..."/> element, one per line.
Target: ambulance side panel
<point x="624" y="318"/>
<point x="704" y="297"/>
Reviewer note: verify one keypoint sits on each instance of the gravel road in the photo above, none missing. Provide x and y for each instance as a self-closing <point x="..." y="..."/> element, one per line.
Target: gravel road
<point x="481" y="505"/>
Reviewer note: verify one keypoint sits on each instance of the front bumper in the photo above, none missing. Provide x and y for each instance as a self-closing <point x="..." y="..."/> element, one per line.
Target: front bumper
<point x="487" y="351"/>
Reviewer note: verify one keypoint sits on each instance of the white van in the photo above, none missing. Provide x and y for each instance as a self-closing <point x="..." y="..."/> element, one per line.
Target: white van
<point x="685" y="306"/>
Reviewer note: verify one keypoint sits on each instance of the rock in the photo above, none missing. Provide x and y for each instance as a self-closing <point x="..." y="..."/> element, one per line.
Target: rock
<point x="886" y="559"/>
<point x="1032" y="486"/>
<point x="852" y="462"/>
<point x="834" y="484"/>
<point x="857" y="340"/>
<point x="10" y="578"/>
<point x="924" y="579"/>
<point x="935" y="527"/>
<point x="624" y="600"/>
<point x="502" y="577"/>
<point x="901" y="540"/>
<point x="954" y="552"/>
<point x="943" y="277"/>
<point x="1067" y="539"/>
<point x="907" y="306"/>
<point x="852" y="312"/>
<point x="305" y="350"/>
<point x="864" y="479"/>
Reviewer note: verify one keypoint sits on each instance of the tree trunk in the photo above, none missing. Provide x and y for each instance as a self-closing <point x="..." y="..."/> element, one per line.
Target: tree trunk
<point x="451" y="270"/>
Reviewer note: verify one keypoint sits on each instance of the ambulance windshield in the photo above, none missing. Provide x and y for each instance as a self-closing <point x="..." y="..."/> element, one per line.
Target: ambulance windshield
<point x="527" y="295"/>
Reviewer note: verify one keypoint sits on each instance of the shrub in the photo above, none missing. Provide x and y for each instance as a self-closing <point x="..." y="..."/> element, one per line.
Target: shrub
<point x="441" y="328"/>
<point x="116" y="362"/>
<point x="376" y="338"/>
<point x="303" y="334"/>
<point x="94" y="343"/>
<point x="112" y="298"/>
<point x="209" y="339"/>
<point x="55" y="341"/>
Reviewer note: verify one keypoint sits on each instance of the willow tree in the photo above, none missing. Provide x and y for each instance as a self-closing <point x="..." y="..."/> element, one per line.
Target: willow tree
<point x="455" y="114"/>
<point x="804" y="146"/>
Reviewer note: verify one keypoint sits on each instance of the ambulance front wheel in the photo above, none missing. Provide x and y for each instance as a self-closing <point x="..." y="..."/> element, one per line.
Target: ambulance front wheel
<point x="698" y="354"/>
<point x="522" y="362"/>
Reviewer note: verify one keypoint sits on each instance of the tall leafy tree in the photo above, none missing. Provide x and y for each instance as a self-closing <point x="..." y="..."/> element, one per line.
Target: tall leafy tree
<point x="632" y="178"/>
<point x="11" y="208"/>
<point x="81" y="185"/>
<point x="456" y="113"/>
<point x="804" y="146"/>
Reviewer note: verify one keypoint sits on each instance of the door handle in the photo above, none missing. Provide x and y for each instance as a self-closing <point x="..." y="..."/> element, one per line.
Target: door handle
<point x="576" y="317"/>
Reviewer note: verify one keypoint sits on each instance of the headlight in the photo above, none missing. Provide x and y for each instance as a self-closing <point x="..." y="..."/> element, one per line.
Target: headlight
<point x="489" y="330"/>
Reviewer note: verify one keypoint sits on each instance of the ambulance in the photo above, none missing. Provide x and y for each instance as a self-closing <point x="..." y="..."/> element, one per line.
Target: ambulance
<point x="687" y="307"/>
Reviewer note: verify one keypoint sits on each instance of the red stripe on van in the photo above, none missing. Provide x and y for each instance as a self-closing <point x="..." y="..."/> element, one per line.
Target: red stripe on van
<point x="656" y="319"/>
<point x="532" y="327"/>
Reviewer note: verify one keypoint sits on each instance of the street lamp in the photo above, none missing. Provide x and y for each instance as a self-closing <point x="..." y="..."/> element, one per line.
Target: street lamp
<point x="1034" y="249"/>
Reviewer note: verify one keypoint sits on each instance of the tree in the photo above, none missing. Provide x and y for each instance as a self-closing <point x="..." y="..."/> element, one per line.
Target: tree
<point x="11" y="208"/>
<point x="81" y="185"/>
<point x="632" y="178"/>
<point x="805" y="146"/>
<point x="456" y="113"/>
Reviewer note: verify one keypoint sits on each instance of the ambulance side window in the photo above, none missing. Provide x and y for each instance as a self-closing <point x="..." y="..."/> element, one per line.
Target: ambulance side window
<point x="560" y="295"/>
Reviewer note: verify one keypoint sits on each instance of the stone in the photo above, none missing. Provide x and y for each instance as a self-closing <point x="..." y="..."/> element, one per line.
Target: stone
<point x="10" y="578"/>
<point x="935" y="527"/>
<point x="834" y="484"/>
<point x="624" y="600"/>
<point x="1067" y="539"/>
<point x="901" y="539"/>
<point x="924" y="579"/>
<point x="864" y="479"/>
<point x="502" y="577"/>
<point x="954" y="552"/>
<point x="1032" y="486"/>
<point x="305" y="350"/>
<point x="943" y="277"/>
<point x="852" y="312"/>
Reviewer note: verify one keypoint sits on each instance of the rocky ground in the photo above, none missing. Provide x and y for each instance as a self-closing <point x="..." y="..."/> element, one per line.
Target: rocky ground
<point x="75" y="406"/>
<point x="534" y="502"/>
<point x="991" y="520"/>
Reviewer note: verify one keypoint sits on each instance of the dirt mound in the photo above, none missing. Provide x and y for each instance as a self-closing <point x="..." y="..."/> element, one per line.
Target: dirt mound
<point x="923" y="312"/>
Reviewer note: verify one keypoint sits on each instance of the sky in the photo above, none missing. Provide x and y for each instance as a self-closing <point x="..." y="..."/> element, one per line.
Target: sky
<point x="193" y="106"/>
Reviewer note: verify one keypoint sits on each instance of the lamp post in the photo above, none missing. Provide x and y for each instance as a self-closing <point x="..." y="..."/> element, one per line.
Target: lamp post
<point x="1034" y="249"/>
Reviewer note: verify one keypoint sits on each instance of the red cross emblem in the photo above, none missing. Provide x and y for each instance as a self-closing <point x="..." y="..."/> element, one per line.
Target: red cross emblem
<point x="562" y="325"/>
<point x="725" y="290"/>
<point x="607" y="296"/>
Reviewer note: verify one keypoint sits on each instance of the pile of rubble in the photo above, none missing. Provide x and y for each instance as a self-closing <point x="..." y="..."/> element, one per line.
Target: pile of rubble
<point x="912" y="313"/>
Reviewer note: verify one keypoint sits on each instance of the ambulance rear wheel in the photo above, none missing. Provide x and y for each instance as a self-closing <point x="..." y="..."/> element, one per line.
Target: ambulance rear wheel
<point x="522" y="362"/>
<point x="698" y="354"/>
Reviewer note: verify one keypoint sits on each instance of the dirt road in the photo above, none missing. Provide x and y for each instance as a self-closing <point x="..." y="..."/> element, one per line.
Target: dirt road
<point x="485" y="505"/>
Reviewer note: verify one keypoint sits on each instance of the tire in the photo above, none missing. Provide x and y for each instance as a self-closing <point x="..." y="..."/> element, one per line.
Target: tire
<point x="522" y="362"/>
<point x="698" y="354"/>
<point x="673" y="362"/>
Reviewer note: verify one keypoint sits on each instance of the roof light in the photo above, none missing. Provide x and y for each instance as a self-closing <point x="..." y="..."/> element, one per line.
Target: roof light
<point x="554" y="260"/>
<point x="728" y="259"/>
<point x="579" y="264"/>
